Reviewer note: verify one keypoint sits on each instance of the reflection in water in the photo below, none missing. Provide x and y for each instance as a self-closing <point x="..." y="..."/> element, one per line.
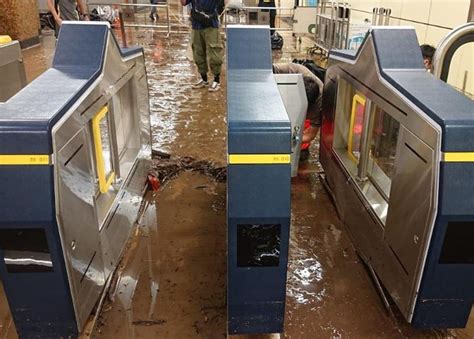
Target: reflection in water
<point x="305" y="272"/>
<point x="184" y="121"/>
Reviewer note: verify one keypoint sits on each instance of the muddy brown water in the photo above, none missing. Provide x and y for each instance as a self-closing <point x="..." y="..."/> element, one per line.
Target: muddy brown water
<point x="172" y="279"/>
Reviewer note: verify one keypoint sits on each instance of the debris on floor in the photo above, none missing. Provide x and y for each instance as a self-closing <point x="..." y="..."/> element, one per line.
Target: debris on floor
<point x="166" y="167"/>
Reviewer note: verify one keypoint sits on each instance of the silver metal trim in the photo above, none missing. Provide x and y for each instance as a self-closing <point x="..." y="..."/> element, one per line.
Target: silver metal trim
<point x="75" y="122"/>
<point x="445" y="45"/>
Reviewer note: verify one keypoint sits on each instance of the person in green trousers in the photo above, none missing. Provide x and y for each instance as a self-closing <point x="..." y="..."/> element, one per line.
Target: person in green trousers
<point x="206" y="40"/>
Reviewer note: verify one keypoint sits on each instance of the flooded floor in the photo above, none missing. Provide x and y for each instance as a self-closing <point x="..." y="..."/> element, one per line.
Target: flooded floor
<point x="172" y="280"/>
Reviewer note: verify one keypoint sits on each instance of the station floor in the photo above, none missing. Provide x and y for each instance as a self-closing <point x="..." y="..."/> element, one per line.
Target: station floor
<point x="172" y="280"/>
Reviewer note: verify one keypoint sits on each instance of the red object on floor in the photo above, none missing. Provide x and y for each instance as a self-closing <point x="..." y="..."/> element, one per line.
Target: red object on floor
<point x="154" y="182"/>
<point x="307" y="124"/>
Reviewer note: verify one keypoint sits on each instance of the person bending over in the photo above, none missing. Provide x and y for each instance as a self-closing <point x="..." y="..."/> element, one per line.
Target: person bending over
<point x="428" y="52"/>
<point x="314" y="91"/>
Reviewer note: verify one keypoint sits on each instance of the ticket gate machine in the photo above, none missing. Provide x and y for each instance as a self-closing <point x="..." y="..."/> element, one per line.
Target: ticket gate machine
<point x="397" y="146"/>
<point x="261" y="137"/>
<point x="74" y="155"/>
<point x="12" y="70"/>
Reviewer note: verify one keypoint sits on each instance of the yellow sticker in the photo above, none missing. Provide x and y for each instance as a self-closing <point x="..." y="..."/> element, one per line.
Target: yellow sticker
<point x="24" y="159"/>
<point x="251" y="159"/>
<point x="459" y="157"/>
<point x="5" y="39"/>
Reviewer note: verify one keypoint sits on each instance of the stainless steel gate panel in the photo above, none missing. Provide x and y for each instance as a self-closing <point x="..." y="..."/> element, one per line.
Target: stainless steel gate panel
<point x="129" y="139"/>
<point x="78" y="209"/>
<point x="409" y="221"/>
<point x="115" y="234"/>
<point x="81" y="237"/>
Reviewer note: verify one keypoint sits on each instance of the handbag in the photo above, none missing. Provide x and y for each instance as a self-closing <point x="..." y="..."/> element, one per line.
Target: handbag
<point x="205" y="19"/>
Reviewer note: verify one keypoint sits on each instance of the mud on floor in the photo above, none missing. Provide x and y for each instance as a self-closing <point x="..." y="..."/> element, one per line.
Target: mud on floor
<point x="173" y="278"/>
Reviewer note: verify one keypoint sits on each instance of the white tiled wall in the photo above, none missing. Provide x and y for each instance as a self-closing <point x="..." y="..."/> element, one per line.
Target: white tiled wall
<point x="463" y="60"/>
<point x="450" y="13"/>
<point x="445" y="13"/>
<point x="418" y="10"/>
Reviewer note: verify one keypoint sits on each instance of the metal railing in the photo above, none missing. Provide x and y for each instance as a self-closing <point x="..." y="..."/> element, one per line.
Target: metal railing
<point x="136" y="8"/>
<point x="381" y="16"/>
<point x="251" y="15"/>
<point x="335" y="27"/>
<point x="332" y="26"/>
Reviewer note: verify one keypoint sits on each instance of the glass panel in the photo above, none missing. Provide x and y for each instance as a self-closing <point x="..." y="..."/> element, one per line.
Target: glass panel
<point x="383" y="148"/>
<point x="380" y="139"/>
<point x="258" y="245"/>
<point x="348" y="125"/>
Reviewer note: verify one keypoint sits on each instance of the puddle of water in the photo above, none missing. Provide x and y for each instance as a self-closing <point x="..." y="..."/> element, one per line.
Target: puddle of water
<point x="185" y="122"/>
<point x="180" y="291"/>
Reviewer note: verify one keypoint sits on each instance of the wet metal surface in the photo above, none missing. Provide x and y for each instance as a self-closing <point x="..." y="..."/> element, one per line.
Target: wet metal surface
<point x="172" y="280"/>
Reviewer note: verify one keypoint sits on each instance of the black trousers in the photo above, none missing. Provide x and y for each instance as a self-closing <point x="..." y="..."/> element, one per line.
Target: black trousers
<point x="273" y="13"/>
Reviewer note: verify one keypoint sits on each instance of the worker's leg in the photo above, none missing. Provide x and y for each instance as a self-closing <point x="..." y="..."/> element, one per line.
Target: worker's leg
<point x="198" y="44"/>
<point x="214" y="51"/>
<point x="273" y="14"/>
<point x="153" y="14"/>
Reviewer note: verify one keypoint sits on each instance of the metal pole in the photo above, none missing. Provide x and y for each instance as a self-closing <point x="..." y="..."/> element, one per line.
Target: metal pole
<point x="225" y="18"/>
<point x="470" y="16"/>
<point x="331" y="28"/>
<point x="317" y="29"/>
<point x="464" y="82"/>
<point x="364" y="143"/>
<point x="381" y="14"/>
<point x="338" y="25"/>
<point x="348" y="26"/>
<point x="388" y="11"/>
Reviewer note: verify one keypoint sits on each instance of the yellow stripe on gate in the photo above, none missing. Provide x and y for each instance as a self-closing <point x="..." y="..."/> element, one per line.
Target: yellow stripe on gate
<point x="459" y="157"/>
<point x="258" y="159"/>
<point x="5" y="39"/>
<point x="24" y="159"/>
